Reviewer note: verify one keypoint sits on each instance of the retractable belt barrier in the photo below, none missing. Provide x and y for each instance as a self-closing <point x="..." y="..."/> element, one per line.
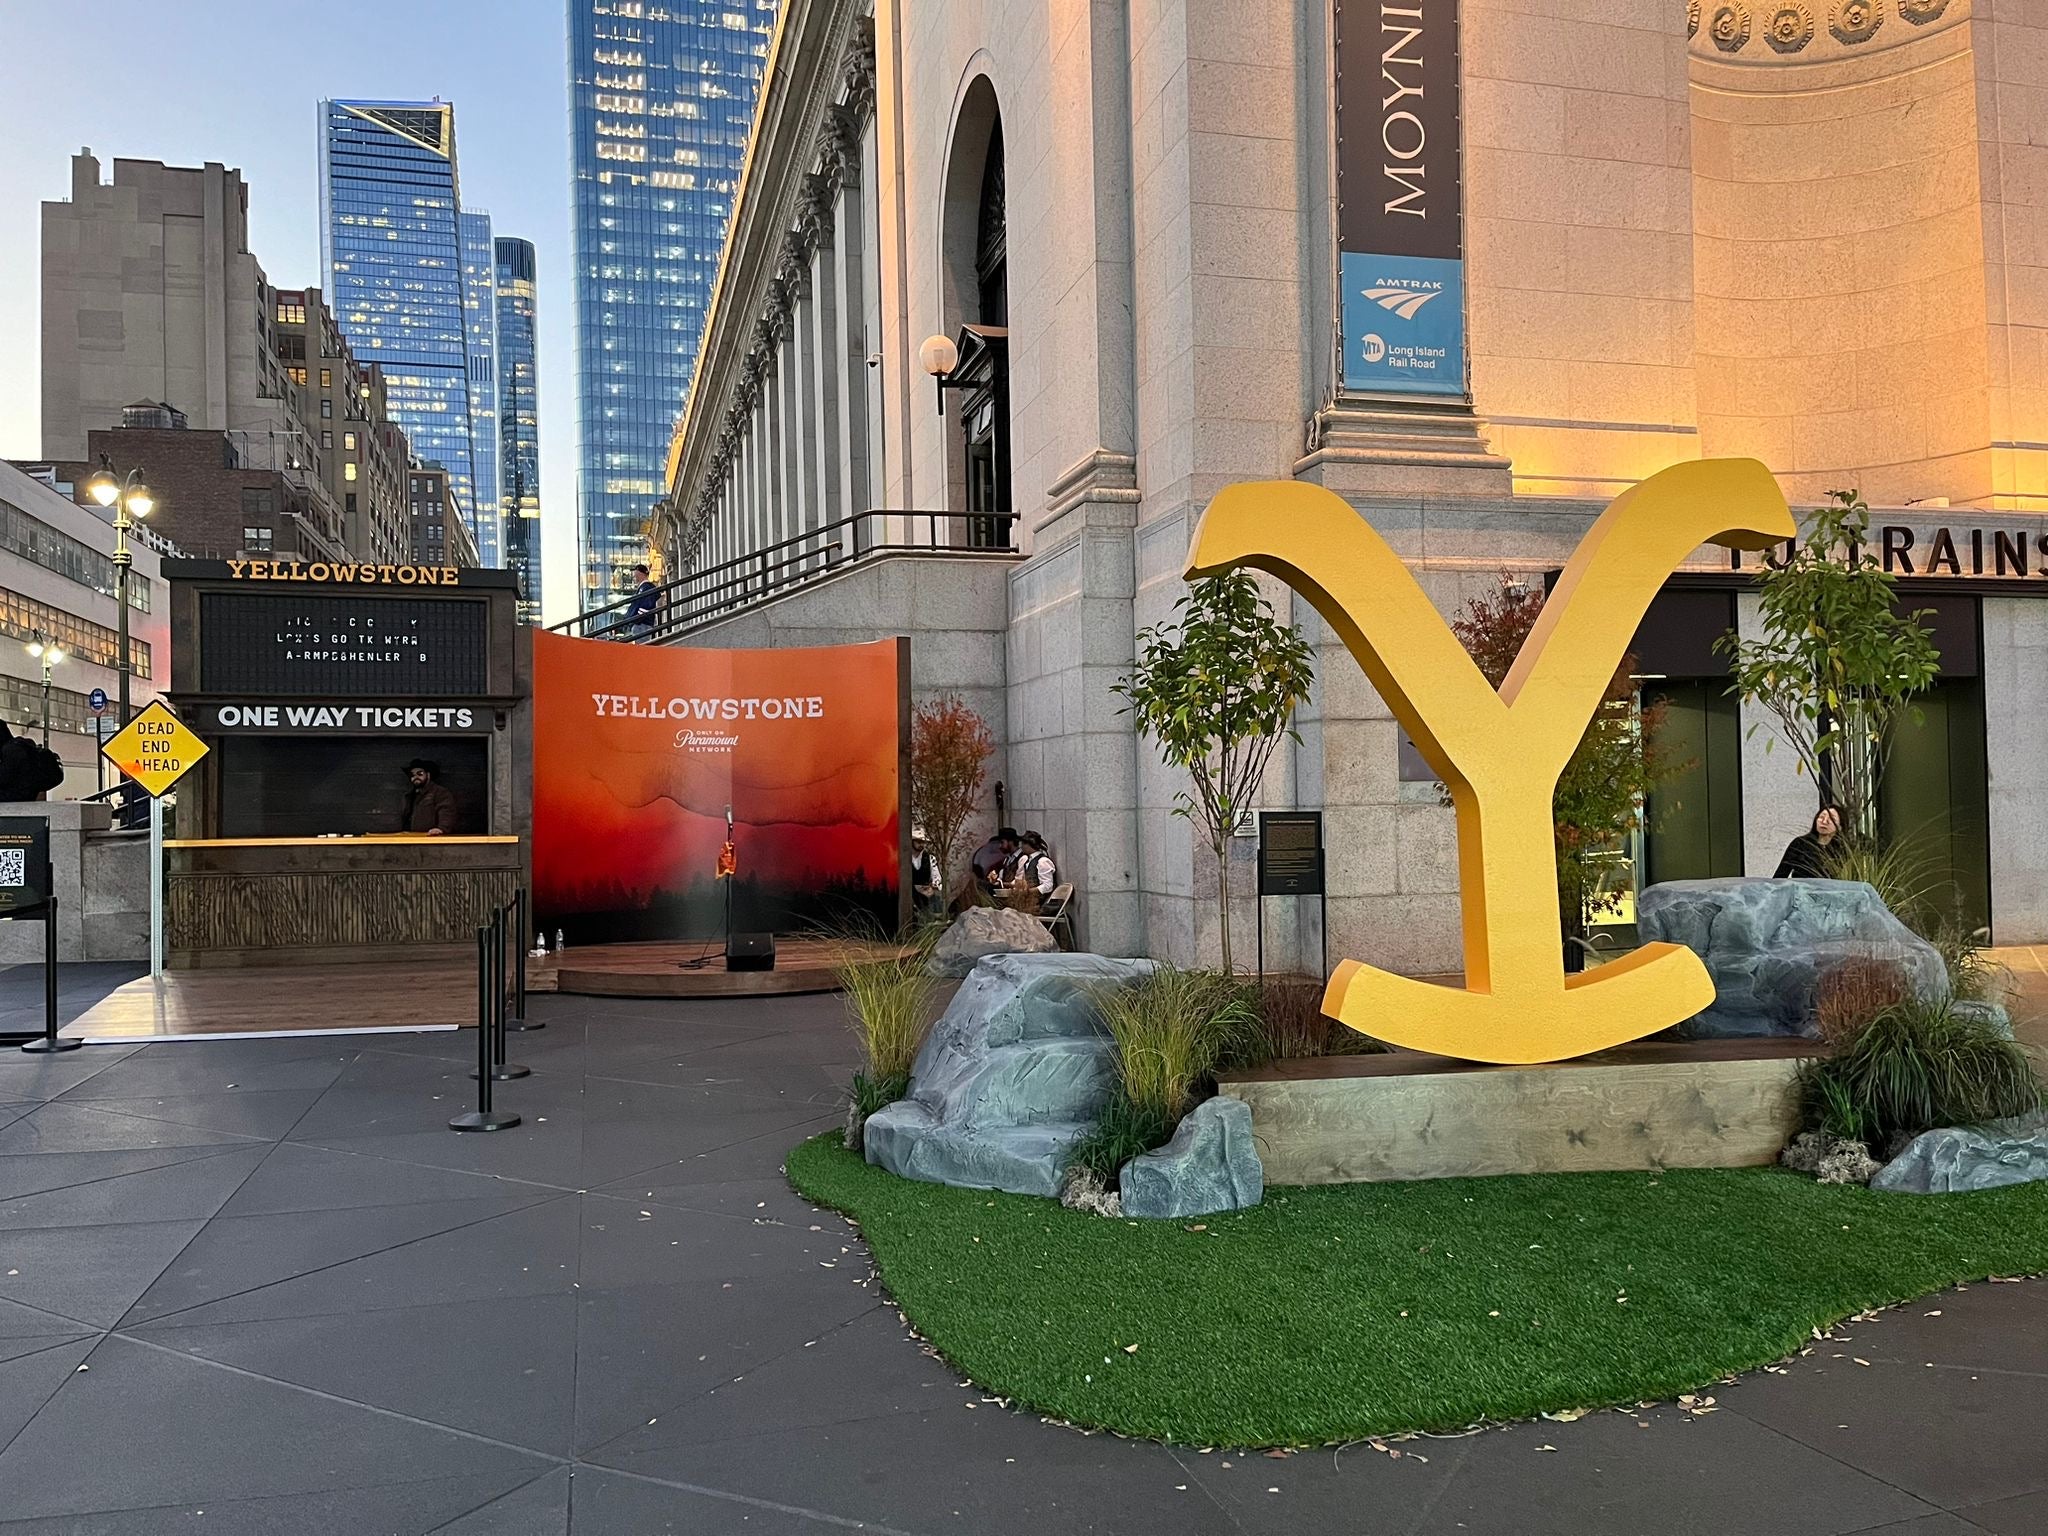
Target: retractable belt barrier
<point x="495" y="943"/>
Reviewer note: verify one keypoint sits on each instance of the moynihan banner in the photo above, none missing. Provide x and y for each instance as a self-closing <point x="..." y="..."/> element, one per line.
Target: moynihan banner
<point x="1400" y="235"/>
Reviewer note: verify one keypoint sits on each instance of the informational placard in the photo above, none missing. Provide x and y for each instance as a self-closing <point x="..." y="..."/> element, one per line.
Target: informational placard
<point x="1400" y="226"/>
<point x="156" y="749"/>
<point x="1290" y="853"/>
<point x="342" y="645"/>
<point x="24" y="864"/>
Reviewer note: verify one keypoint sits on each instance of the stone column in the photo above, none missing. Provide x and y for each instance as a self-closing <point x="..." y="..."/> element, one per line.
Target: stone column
<point x="828" y="374"/>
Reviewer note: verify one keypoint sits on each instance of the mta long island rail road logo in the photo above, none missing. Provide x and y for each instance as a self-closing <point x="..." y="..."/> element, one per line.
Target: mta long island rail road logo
<point x="1500" y="753"/>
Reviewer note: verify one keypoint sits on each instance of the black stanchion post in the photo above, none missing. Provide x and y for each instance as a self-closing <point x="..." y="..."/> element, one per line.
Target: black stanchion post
<point x="50" y="1044"/>
<point x="519" y="1020"/>
<point x="501" y="1070"/>
<point x="483" y="1117"/>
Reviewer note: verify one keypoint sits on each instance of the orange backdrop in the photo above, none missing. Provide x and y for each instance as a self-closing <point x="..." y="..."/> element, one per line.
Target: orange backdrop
<point x="639" y="749"/>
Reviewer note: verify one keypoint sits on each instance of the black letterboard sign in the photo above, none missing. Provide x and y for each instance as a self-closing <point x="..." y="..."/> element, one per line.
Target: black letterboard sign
<point x="341" y="645"/>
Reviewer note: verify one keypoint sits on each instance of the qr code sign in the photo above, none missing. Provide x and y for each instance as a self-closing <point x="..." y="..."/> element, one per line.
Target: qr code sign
<point x="13" y="867"/>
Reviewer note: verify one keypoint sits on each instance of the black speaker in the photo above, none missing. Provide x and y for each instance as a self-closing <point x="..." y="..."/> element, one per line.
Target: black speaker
<point x="750" y="952"/>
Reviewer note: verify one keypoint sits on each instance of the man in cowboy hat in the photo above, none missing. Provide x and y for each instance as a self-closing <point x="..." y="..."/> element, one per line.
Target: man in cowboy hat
<point x="429" y="807"/>
<point x="924" y="876"/>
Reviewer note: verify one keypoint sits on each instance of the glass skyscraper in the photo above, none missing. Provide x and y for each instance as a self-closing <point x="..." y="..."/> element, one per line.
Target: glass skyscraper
<point x="392" y="249"/>
<point x="662" y="98"/>
<point x="519" y="421"/>
<point x="480" y="322"/>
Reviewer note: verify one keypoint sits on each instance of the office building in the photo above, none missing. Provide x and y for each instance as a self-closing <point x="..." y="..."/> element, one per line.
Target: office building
<point x="57" y="583"/>
<point x="480" y="321"/>
<point x="151" y="293"/>
<point x="1650" y="237"/>
<point x="360" y="453"/>
<point x="519" y="421"/>
<point x="662" y="99"/>
<point x="393" y="253"/>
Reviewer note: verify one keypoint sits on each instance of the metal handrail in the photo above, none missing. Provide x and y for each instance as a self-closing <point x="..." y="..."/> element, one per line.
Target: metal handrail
<point x="697" y="596"/>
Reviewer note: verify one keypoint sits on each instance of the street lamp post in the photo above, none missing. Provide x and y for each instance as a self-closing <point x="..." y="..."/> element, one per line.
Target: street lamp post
<point x="49" y="653"/>
<point x="131" y="502"/>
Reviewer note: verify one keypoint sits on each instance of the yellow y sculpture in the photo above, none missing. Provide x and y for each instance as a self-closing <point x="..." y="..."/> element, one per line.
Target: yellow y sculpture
<point x="1500" y="754"/>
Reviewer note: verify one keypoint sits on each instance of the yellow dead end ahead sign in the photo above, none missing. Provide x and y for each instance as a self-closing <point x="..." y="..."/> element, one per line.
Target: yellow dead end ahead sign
<point x="155" y="749"/>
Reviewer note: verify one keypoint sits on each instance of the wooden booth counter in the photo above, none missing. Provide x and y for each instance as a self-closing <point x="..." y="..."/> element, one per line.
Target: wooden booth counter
<point x="327" y="900"/>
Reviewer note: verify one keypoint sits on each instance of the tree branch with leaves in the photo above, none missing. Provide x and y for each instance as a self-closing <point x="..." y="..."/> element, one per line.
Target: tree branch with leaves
<point x="1837" y="664"/>
<point x="1600" y="796"/>
<point x="1216" y="689"/>
<point x="950" y="745"/>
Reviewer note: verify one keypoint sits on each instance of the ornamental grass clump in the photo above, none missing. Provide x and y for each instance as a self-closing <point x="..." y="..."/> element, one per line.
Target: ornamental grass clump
<point x="1172" y="1030"/>
<point x="1293" y="1026"/>
<point x="889" y="1004"/>
<point x="1854" y="993"/>
<point x="1918" y="1067"/>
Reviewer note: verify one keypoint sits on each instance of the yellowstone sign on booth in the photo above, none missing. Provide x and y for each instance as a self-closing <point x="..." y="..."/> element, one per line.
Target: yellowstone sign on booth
<point x="639" y="750"/>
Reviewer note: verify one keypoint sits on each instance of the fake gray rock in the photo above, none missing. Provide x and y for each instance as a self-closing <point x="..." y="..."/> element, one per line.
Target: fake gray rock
<point x="1961" y="1159"/>
<point x="1015" y="1072"/>
<point x="1210" y="1165"/>
<point x="1768" y="943"/>
<point x="1993" y="1014"/>
<point x="983" y="931"/>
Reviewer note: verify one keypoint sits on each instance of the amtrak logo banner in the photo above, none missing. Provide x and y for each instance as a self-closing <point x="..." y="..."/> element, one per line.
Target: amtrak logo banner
<point x="1400" y="229"/>
<point x="1404" y="324"/>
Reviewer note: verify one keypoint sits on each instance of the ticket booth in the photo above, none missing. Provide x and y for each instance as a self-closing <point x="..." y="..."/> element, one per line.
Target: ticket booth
<point x="306" y="835"/>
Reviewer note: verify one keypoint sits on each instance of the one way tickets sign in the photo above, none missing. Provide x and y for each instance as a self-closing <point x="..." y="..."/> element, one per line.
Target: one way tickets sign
<point x="156" y="750"/>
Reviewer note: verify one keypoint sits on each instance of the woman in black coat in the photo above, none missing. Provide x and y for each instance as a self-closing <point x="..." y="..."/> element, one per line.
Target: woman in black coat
<point x="1810" y="855"/>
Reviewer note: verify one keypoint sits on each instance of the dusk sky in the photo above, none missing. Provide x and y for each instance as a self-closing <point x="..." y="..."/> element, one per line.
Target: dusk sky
<point x="238" y="81"/>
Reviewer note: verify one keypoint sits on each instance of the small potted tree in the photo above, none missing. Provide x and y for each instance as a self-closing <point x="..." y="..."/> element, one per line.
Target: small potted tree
<point x="1217" y="689"/>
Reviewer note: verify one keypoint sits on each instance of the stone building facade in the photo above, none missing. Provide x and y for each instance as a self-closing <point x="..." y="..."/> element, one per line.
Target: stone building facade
<point x="150" y="292"/>
<point x="1814" y="232"/>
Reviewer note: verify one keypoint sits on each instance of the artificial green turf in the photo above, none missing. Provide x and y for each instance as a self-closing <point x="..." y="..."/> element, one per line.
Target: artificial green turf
<point x="1336" y="1313"/>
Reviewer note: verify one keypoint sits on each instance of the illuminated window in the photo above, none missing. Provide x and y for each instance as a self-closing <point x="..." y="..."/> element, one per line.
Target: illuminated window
<point x="327" y="378"/>
<point x="348" y="441"/>
<point x="348" y="470"/>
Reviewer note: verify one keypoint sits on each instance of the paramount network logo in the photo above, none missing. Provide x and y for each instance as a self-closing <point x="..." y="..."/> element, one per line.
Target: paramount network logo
<point x="1402" y="301"/>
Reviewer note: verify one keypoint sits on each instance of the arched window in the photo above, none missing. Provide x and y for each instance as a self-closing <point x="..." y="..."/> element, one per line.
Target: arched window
<point x="976" y="272"/>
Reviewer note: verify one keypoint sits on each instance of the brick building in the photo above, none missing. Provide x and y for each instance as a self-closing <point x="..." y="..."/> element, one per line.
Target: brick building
<point x="218" y="494"/>
<point x="439" y="535"/>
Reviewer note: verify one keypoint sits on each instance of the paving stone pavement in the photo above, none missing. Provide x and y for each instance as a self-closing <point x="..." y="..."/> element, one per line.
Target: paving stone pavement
<point x="253" y="1288"/>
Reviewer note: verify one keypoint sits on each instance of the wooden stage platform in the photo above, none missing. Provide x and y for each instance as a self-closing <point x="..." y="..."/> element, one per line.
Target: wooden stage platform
<point x="435" y="991"/>
<point x="697" y="970"/>
<point x="428" y="993"/>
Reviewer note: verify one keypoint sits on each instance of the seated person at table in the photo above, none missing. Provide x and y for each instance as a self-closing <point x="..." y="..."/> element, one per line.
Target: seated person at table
<point x="1031" y="881"/>
<point x="429" y="807"/>
<point x="993" y="858"/>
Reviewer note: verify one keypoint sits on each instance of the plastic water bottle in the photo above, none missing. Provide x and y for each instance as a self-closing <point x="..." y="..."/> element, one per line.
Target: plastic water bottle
<point x="561" y="941"/>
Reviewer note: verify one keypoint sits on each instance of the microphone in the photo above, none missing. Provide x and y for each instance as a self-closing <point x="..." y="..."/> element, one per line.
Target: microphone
<point x="728" y="823"/>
